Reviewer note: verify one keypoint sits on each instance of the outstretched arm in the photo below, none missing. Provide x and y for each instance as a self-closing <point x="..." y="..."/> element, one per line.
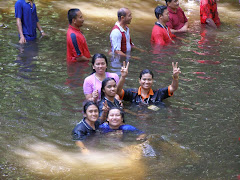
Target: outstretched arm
<point x="124" y="72"/>
<point x="176" y="72"/>
<point x="40" y="29"/>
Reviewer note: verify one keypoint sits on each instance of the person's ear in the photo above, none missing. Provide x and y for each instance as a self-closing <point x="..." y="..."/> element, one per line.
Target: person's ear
<point x="139" y="80"/>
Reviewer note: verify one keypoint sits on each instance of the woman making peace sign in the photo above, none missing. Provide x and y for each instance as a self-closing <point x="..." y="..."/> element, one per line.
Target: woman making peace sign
<point x="144" y="94"/>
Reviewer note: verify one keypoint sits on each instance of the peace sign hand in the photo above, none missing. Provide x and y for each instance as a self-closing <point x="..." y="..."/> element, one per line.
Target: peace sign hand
<point x="176" y="70"/>
<point x="124" y="69"/>
<point x="105" y="107"/>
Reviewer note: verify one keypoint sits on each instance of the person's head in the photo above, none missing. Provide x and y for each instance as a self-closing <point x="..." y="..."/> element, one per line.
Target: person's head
<point x="161" y="13"/>
<point x="109" y="88"/>
<point x="146" y="79"/>
<point x="91" y="111"/>
<point x="99" y="63"/>
<point x="115" y="117"/>
<point x="173" y="4"/>
<point x="75" y="17"/>
<point x="124" y="16"/>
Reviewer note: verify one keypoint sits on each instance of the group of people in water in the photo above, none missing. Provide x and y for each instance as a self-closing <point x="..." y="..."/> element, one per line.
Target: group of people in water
<point x="104" y="90"/>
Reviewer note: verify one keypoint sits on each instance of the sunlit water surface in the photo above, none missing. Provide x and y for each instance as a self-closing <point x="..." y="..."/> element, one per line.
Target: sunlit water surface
<point x="42" y="97"/>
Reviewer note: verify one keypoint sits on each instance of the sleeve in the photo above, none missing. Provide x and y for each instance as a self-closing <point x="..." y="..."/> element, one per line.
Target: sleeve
<point x="116" y="38"/>
<point x="78" y="133"/>
<point x="18" y="10"/>
<point x="164" y="93"/>
<point x="128" y="94"/>
<point x="159" y="38"/>
<point x="129" y="128"/>
<point x="88" y="85"/>
<point x="185" y="18"/>
<point x="36" y="14"/>
<point x="77" y="52"/>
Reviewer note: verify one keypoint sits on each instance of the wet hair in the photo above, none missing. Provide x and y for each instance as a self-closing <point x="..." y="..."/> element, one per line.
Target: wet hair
<point x="121" y="12"/>
<point x="145" y="71"/>
<point x="159" y="11"/>
<point x="168" y="1"/>
<point x="89" y="103"/>
<point x="104" y="83"/>
<point x="121" y="112"/>
<point x="96" y="56"/>
<point x="72" y="13"/>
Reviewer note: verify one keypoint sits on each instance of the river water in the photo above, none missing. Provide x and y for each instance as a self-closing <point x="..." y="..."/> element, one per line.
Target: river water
<point x="42" y="97"/>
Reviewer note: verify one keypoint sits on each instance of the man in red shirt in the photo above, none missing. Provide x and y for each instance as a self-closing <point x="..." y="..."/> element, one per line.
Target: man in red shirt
<point x="77" y="49"/>
<point x="177" y="19"/>
<point x="161" y="34"/>
<point x="209" y="13"/>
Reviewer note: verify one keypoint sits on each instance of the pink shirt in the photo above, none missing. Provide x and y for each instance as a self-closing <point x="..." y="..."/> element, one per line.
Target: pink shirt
<point x="92" y="83"/>
<point x="176" y="19"/>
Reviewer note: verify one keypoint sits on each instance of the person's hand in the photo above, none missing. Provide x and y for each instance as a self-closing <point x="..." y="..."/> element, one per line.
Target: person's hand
<point x="43" y="34"/>
<point x="124" y="69"/>
<point x="85" y="151"/>
<point x="105" y="107"/>
<point x="22" y="40"/>
<point x="95" y="95"/>
<point x="176" y="70"/>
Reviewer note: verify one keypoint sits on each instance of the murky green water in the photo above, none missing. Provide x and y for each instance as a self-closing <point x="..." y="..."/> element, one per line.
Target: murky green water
<point x="41" y="97"/>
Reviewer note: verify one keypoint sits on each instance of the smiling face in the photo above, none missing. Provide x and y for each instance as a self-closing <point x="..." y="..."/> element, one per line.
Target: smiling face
<point x="115" y="118"/>
<point x="92" y="113"/>
<point x="78" y="20"/>
<point x="100" y="66"/>
<point x="146" y="81"/>
<point x="174" y="4"/>
<point x="110" y="89"/>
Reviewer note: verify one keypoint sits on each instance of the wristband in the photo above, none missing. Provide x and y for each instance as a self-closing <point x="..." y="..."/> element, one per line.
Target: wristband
<point x="41" y="31"/>
<point x="175" y="78"/>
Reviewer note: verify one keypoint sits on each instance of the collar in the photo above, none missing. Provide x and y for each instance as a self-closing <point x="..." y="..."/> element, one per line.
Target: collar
<point x="75" y="29"/>
<point x="160" y="25"/>
<point x="149" y="93"/>
<point x="120" y="27"/>
<point x="86" y="124"/>
<point x="171" y="11"/>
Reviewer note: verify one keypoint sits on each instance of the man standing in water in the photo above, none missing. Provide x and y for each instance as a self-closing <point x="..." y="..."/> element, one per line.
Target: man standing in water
<point x="161" y="34"/>
<point x="209" y="13"/>
<point x="77" y="48"/>
<point x="177" y="20"/>
<point x="27" y="20"/>
<point x="120" y="35"/>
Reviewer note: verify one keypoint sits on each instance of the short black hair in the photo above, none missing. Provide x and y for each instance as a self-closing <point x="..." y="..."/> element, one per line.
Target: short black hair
<point x="145" y="71"/>
<point x="159" y="11"/>
<point x="72" y="13"/>
<point x="121" y="12"/>
<point x="89" y="103"/>
<point x="168" y="1"/>
<point x="121" y="112"/>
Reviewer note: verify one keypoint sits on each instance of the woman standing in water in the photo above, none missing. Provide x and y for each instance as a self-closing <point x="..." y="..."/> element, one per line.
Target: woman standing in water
<point x="87" y="126"/>
<point x="93" y="83"/>
<point x="115" y="123"/>
<point x="144" y="94"/>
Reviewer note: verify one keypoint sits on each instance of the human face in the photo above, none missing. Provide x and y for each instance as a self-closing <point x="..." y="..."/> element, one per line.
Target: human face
<point x="110" y="89"/>
<point x="127" y="19"/>
<point x="165" y="16"/>
<point x="92" y="113"/>
<point x="100" y="66"/>
<point x="114" y="118"/>
<point x="78" y="20"/>
<point x="174" y="4"/>
<point x="146" y="81"/>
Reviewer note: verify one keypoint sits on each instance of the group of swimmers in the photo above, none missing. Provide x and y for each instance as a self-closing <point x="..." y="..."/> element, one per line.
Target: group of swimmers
<point x="104" y="90"/>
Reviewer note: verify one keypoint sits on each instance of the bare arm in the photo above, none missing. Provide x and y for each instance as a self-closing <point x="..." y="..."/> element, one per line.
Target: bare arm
<point x="82" y="58"/>
<point x="124" y="72"/>
<point x="20" y="31"/>
<point x="183" y="29"/>
<point x="124" y="55"/>
<point x="176" y="72"/>
<point x="82" y="147"/>
<point x="40" y="29"/>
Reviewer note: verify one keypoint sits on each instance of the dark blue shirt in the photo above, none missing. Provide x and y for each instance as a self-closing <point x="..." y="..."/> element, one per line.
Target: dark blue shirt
<point x="104" y="128"/>
<point x="83" y="130"/>
<point x="110" y="105"/>
<point x="28" y="16"/>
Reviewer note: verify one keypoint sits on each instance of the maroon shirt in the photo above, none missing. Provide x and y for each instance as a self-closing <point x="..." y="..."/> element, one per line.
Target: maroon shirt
<point x="176" y="19"/>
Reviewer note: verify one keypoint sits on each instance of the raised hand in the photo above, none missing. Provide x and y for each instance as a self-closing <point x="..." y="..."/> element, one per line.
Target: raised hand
<point x="105" y="107"/>
<point x="124" y="69"/>
<point x="176" y="70"/>
<point x="95" y="95"/>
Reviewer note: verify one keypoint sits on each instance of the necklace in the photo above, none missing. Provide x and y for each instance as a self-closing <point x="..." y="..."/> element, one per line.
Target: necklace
<point x="166" y="29"/>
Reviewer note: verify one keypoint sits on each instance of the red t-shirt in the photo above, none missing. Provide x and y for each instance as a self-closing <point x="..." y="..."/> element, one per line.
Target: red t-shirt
<point x="208" y="9"/>
<point x="176" y="19"/>
<point x="76" y="44"/>
<point x="161" y="35"/>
